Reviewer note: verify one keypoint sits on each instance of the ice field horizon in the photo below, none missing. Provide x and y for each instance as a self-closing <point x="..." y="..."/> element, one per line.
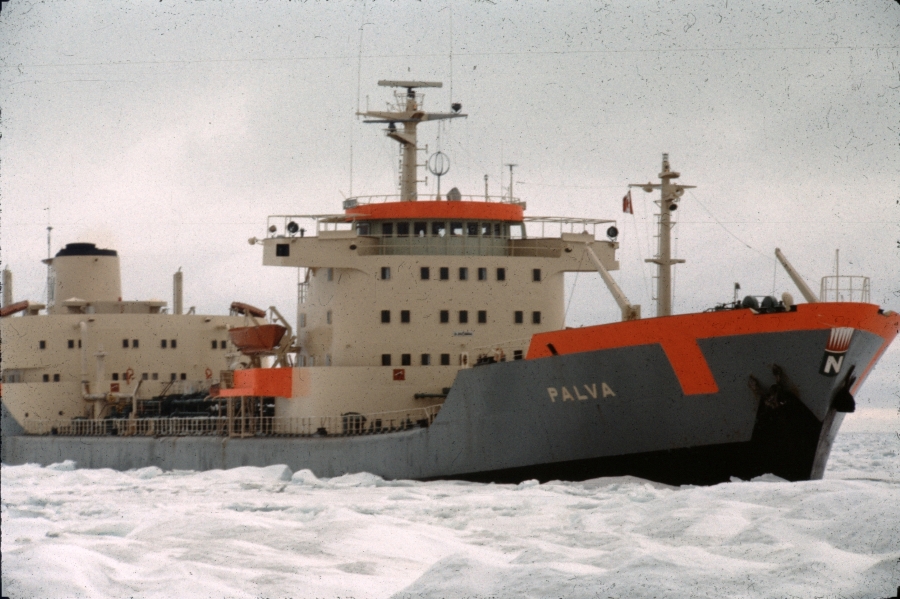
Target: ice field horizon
<point x="269" y="532"/>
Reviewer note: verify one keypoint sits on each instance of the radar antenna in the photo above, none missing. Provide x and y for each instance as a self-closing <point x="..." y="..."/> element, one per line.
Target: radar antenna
<point x="407" y="110"/>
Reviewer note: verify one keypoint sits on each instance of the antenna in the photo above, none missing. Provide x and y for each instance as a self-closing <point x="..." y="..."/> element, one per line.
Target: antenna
<point x="49" y="257"/>
<point x="511" y="166"/>
<point x="438" y="165"/>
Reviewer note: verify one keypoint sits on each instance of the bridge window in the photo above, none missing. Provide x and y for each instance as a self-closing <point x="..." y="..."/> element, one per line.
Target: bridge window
<point x="420" y="229"/>
<point x="472" y="229"/>
<point x="362" y="228"/>
<point x="403" y="229"/>
<point x="439" y="229"/>
<point x="387" y="229"/>
<point x="497" y="230"/>
<point x="456" y="229"/>
<point x="485" y="229"/>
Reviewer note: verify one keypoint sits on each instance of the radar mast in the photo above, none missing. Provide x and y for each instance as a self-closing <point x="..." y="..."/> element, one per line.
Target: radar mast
<point x="408" y="111"/>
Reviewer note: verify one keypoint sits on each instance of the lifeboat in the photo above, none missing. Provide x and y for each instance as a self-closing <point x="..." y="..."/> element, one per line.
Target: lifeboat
<point x="259" y="339"/>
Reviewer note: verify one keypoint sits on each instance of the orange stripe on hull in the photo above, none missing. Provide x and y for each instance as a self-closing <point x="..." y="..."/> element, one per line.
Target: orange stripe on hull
<point x="678" y="335"/>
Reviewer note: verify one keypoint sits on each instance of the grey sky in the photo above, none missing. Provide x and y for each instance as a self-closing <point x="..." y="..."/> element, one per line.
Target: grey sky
<point x="169" y="131"/>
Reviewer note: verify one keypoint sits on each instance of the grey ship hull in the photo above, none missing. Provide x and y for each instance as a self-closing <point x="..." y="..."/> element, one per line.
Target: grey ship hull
<point x="774" y="412"/>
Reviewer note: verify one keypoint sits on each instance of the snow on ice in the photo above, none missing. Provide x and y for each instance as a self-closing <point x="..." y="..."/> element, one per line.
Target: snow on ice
<point x="270" y="532"/>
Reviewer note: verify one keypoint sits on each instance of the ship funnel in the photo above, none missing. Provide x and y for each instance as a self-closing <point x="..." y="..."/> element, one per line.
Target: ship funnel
<point x="86" y="272"/>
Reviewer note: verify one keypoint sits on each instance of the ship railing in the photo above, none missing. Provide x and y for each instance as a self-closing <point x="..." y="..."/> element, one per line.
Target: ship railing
<point x="844" y="288"/>
<point x="504" y="351"/>
<point x="348" y="424"/>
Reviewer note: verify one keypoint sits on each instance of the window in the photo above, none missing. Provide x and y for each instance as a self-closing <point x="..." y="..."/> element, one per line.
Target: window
<point x="439" y="229"/>
<point x="215" y="344"/>
<point x="445" y="316"/>
<point x="155" y="376"/>
<point x="501" y="274"/>
<point x="404" y="316"/>
<point x="385" y="316"/>
<point x="145" y="376"/>
<point x="425" y="273"/>
<point x="402" y="229"/>
<point x="79" y="344"/>
<point x="329" y="274"/>
<point x="183" y="376"/>
<point x="46" y="378"/>
<point x="327" y="359"/>
<point x="312" y="360"/>
<point x="456" y="229"/>
<point x="535" y="318"/>
<point x="482" y="274"/>
<point x="426" y="359"/>
<point x="55" y="378"/>
<point x="303" y="320"/>
<point x="405" y="359"/>
<point x="163" y="343"/>
<point x="445" y="273"/>
<point x="115" y="376"/>
<point x="328" y="317"/>
<point x="463" y="316"/>
<point x="222" y="344"/>
<point x="385" y="359"/>
<point x="172" y="377"/>
<point x="517" y="354"/>
<point x="536" y="275"/>
<point x="134" y="343"/>
<point x="174" y="343"/>
<point x="518" y="317"/>
<point x="420" y="229"/>
<point x="472" y="229"/>
<point x="124" y="343"/>
<point x="385" y="273"/>
<point x="282" y="250"/>
<point x="486" y="229"/>
<point x="463" y="273"/>
<point x="362" y="228"/>
<point x="387" y="229"/>
<point x="71" y="344"/>
<point x="43" y="344"/>
<point x="482" y="317"/>
<point x="445" y="359"/>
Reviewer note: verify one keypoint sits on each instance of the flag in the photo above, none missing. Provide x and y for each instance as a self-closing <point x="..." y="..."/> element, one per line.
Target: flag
<point x="626" y="203"/>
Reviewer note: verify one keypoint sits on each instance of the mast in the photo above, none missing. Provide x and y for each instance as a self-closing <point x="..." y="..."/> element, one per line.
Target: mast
<point x="669" y="195"/>
<point x="408" y="112"/>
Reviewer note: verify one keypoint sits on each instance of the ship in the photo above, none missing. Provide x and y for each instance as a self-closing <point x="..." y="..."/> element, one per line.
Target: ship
<point x="431" y="343"/>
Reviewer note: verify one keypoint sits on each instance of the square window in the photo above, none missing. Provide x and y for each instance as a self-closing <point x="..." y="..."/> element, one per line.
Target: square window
<point x="426" y="359"/>
<point x="482" y="274"/>
<point x="501" y="274"/>
<point x="328" y="317"/>
<point x="472" y="229"/>
<point x="174" y="343"/>
<point x="155" y="376"/>
<point x="518" y="317"/>
<point x="183" y="376"/>
<point x="439" y="229"/>
<point x="536" y="275"/>
<point x="282" y="250"/>
<point x="55" y="378"/>
<point x="385" y="359"/>
<point x="486" y="229"/>
<point x="425" y="273"/>
<point x="145" y="376"/>
<point x="463" y="273"/>
<point x="115" y="376"/>
<point x="456" y="229"/>
<point x="134" y="343"/>
<point x="125" y="343"/>
<point x="385" y="316"/>
<point x="362" y="228"/>
<point x="517" y="354"/>
<point x="43" y="344"/>
<point x="385" y="273"/>
<point x="535" y="318"/>
<point x="46" y="378"/>
<point x="215" y="344"/>
<point x="404" y="316"/>
<point x="420" y="229"/>
<point x="463" y="316"/>
<point x="482" y="317"/>
<point x="402" y="229"/>
<point x="387" y="229"/>
<point x="71" y="344"/>
<point x="445" y="316"/>
<point x="445" y="359"/>
<point x="164" y="343"/>
<point x="405" y="359"/>
<point x="445" y="273"/>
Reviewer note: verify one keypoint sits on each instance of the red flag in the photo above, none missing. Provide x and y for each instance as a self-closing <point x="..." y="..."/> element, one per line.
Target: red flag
<point x="626" y="203"/>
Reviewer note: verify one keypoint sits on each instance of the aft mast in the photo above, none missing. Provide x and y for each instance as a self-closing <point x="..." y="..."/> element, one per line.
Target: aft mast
<point x="407" y="110"/>
<point x="670" y="193"/>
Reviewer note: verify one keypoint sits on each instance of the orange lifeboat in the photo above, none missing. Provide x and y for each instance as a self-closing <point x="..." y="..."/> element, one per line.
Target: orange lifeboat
<point x="258" y="339"/>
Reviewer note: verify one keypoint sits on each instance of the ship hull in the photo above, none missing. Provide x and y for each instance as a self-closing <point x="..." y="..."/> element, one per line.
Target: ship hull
<point x="573" y="416"/>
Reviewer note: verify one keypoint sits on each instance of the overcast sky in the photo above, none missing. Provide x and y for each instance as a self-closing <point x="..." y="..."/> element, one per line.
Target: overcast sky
<point x="170" y="131"/>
